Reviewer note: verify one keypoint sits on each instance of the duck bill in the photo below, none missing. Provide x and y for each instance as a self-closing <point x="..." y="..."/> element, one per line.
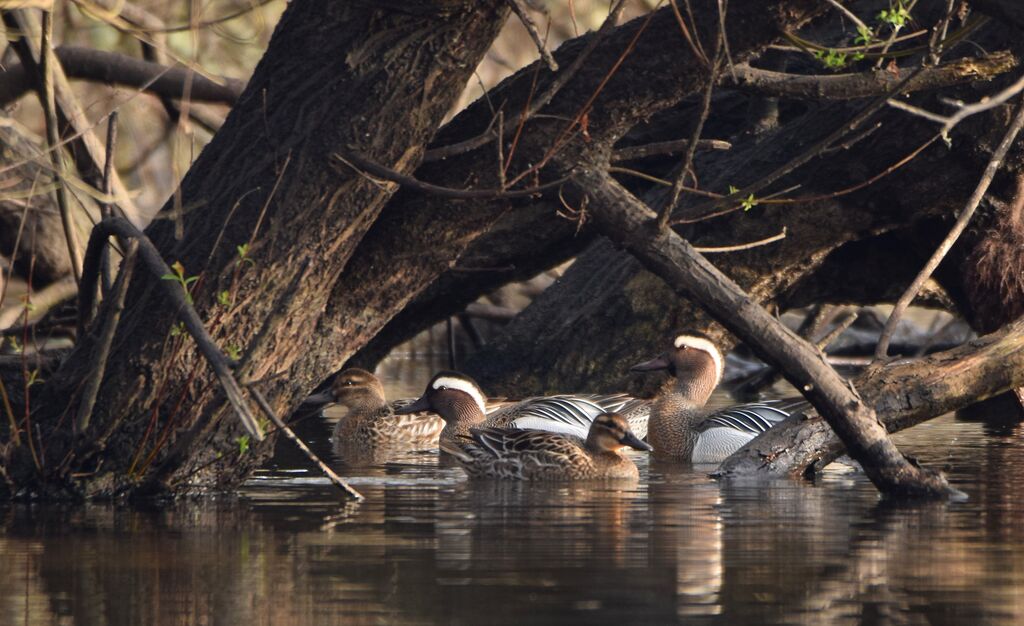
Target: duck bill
<point x="656" y="364"/>
<point x="636" y="443"/>
<point x="421" y="404"/>
<point x="324" y="397"/>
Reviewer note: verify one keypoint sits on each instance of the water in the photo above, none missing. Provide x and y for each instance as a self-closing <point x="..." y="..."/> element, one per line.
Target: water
<point x="427" y="547"/>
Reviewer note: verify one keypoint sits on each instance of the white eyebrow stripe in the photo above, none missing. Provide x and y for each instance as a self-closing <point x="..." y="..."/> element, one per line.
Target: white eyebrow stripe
<point x="705" y="345"/>
<point x="464" y="386"/>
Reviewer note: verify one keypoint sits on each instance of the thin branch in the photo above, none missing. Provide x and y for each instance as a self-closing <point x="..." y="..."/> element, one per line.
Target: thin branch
<point x="691" y="150"/>
<point x="742" y="246"/>
<point x="49" y="103"/>
<point x="290" y="434"/>
<point x="358" y="162"/>
<point x="101" y="352"/>
<point x="964" y="110"/>
<point x="106" y="210"/>
<point x="523" y="13"/>
<point x="690" y="39"/>
<point x="674" y="146"/>
<point x="114" y="68"/>
<point x="850" y="14"/>
<point x="176" y="297"/>
<point x="882" y="349"/>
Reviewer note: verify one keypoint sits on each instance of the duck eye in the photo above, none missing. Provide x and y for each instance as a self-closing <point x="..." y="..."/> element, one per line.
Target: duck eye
<point x="348" y="382"/>
<point x="442" y="388"/>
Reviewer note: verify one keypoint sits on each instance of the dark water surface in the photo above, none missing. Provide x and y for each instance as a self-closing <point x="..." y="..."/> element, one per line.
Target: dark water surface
<point x="427" y="547"/>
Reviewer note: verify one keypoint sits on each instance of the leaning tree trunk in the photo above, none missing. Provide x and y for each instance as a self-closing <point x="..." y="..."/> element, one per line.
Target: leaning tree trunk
<point x="267" y="218"/>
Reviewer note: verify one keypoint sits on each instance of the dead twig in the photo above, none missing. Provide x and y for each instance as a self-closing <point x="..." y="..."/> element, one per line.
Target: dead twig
<point x="49" y="103"/>
<point x="691" y="149"/>
<point x="882" y="349"/>
<point x="290" y="434"/>
<point x="523" y="13"/>
<point x="630" y="153"/>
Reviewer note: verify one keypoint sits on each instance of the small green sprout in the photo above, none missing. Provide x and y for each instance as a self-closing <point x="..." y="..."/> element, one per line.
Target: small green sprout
<point x="749" y="203"/>
<point x="33" y="378"/>
<point x="179" y="277"/>
<point x="733" y="189"/>
<point x="832" y="59"/>
<point x="865" y="36"/>
<point x="896" y="15"/>
<point x="243" y="254"/>
<point x="243" y="444"/>
<point x="178" y="329"/>
<point x="234" y="352"/>
<point x="224" y="298"/>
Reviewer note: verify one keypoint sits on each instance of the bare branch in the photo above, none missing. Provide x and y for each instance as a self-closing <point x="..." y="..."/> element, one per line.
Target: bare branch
<point x="114" y="68"/>
<point x="871" y="83"/>
<point x="523" y="13"/>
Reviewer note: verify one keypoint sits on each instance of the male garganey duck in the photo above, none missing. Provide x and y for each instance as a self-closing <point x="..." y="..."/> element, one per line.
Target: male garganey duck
<point x="681" y="428"/>
<point x="461" y="403"/>
<point x="515" y="454"/>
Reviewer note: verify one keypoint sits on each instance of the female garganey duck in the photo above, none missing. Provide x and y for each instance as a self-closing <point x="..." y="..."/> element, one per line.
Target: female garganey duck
<point x="371" y="422"/>
<point x="681" y="428"/>
<point x="461" y="403"/>
<point x="515" y="454"/>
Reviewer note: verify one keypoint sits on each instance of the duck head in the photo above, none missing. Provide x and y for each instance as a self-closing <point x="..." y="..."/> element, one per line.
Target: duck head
<point x="353" y="388"/>
<point x="610" y="432"/>
<point x="695" y="362"/>
<point x="451" y="395"/>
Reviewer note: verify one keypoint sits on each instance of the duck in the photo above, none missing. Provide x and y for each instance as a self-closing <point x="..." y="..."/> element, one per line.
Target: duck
<point x="527" y="454"/>
<point x="371" y="421"/>
<point x="681" y="428"/>
<point x="458" y="399"/>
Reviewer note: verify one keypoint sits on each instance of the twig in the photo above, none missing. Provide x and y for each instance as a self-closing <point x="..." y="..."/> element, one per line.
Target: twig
<point x="695" y="47"/>
<point x="523" y="14"/>
<point x="850" y="14"/>
<point x="882" y="349"/>
<point x="964" y="110"/>
<point x="722" y="4"/>
<point x="289" y="433"/>
<point x="176" y="295"/>
<point x="101" y="352"/>
<point x="742" y="246"/>
<point x="115" y="68"/>
<point x="106" y="210"/>
<point x="49" y="103"/>
<point x="359" y="163"/>
<point x="630" y="153"/>
<point x="691" y="150"/>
